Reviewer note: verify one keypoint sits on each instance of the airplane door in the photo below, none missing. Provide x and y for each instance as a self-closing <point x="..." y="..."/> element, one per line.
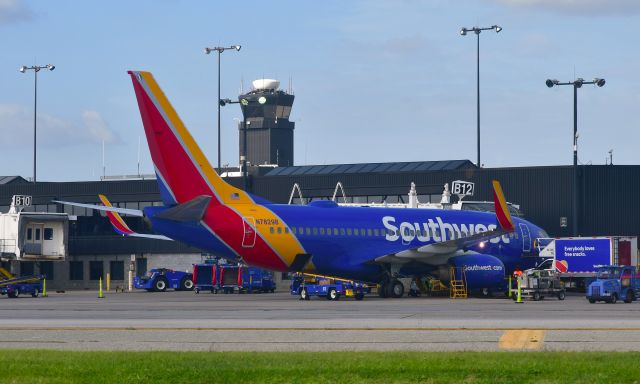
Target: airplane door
<point x="526" y="238"/>
<point x="249" y="232"/>
<point x="33" y="239"/>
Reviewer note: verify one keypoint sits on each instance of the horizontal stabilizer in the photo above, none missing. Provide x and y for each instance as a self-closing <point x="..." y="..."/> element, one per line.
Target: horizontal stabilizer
<point x="121" y="227"/>
<point x="124" y="211"/>
<point x="191" y="211"/>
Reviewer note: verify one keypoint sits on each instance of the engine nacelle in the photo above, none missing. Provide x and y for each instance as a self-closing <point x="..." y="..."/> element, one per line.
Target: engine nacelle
<point x="481" y="271"/>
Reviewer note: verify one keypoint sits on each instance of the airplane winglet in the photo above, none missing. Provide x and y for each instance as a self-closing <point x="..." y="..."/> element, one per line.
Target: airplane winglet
<point x="502" y="210"/>
<point x="116" y="220"/>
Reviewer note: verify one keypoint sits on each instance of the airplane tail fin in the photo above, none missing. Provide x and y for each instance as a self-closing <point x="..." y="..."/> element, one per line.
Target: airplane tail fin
<point x="116" y="220"/>
<point x="183" y="171"/>
<point x="502" y="210"/>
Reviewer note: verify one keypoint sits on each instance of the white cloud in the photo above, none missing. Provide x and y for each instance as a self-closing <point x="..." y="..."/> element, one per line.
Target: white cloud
<point x="580" y="7"/>
<point x="98" y="128"/>
<point x="13" y="11"/>
<point x="16" y="126"/>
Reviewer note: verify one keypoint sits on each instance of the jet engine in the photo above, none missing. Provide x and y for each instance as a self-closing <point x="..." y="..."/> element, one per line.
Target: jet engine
<point x="481" y="271"/>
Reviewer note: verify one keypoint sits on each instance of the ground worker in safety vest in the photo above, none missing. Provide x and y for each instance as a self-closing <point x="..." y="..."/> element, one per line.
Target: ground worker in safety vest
<point x="517" y="274"/>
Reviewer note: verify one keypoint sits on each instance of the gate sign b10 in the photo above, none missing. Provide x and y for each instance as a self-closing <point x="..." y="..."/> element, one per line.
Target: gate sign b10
<point x="462" y="188"/>
<point x="21" y="201"/>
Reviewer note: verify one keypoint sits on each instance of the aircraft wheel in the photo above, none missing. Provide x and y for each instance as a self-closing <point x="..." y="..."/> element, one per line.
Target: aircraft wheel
<point x="186" y="284"/>
<point x="486" y="292"/>
<point x="160" y="285"/>
<point x="629" y="297"/>
<point x="396" y="288"/>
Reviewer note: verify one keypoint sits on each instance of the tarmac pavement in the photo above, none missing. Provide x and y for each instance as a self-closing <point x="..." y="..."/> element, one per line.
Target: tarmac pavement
<point x="184" y="321"/>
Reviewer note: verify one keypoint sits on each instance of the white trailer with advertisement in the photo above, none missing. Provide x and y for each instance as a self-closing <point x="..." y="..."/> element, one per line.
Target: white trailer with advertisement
<point x="576" y="258"/>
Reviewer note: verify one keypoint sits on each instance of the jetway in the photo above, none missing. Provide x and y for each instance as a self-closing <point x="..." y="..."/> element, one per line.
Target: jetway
<point x="33" y="236"/>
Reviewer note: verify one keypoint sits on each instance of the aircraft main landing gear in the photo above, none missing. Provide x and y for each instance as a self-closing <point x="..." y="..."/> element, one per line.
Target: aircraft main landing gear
<point x="393" y="288"/>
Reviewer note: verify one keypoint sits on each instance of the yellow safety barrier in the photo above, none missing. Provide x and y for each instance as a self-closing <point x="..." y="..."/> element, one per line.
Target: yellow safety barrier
<point x="100" y="293"/>
<point x="519" y="300"/>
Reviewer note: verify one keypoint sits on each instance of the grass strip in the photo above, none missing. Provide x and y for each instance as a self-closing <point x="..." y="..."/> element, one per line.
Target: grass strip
<point x="45" y="366"/>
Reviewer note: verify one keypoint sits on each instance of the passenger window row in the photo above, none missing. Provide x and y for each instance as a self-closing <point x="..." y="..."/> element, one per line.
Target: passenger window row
<point x="328" y="231"/>
<point x="322" y="231"/>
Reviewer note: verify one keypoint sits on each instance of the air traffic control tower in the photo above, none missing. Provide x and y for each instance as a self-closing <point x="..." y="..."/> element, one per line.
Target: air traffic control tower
<point x="266" y="111"/>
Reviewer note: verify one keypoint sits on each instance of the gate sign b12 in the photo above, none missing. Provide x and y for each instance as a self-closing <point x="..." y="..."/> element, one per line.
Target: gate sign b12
<point x="462" y="188"/>
<point x="582" y="255"/>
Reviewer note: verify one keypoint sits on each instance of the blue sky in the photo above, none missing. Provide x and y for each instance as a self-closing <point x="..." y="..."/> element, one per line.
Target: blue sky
<point x="374" y="80"/>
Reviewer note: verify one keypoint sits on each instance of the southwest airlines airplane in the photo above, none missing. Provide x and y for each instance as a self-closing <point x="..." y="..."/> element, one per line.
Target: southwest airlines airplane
<point x="376" y="245"/>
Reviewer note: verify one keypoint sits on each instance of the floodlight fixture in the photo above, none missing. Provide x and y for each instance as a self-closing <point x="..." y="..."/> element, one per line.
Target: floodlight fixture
<point x="35" y="69"/>
<point x="477" y="30"/>
<point x="577" y="83"/>
<point x="208" y="50"/>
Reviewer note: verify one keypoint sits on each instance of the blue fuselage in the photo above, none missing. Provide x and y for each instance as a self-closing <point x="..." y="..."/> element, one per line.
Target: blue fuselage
<point x="346" y="241"/>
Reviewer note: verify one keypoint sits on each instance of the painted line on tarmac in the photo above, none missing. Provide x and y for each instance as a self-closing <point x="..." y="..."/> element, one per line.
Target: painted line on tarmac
<point x="430" y="329"/>
<point x="521" y="339"/>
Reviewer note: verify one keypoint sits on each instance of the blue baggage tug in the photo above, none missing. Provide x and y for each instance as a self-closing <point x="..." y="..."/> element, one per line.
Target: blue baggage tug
<point x="159" y="279"/>
<point x="307" y="285"/>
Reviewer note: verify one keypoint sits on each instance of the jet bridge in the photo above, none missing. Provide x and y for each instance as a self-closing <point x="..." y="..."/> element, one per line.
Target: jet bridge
<point x="32" y="236"/>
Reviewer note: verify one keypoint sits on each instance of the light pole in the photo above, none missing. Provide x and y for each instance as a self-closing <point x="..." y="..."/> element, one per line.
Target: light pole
<point x="477" y="30"/>
<point x="36" y="69"/>
<point x="220" y="50"/>
<point x="244" y="102"/>
<point x="578" y="83"/>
